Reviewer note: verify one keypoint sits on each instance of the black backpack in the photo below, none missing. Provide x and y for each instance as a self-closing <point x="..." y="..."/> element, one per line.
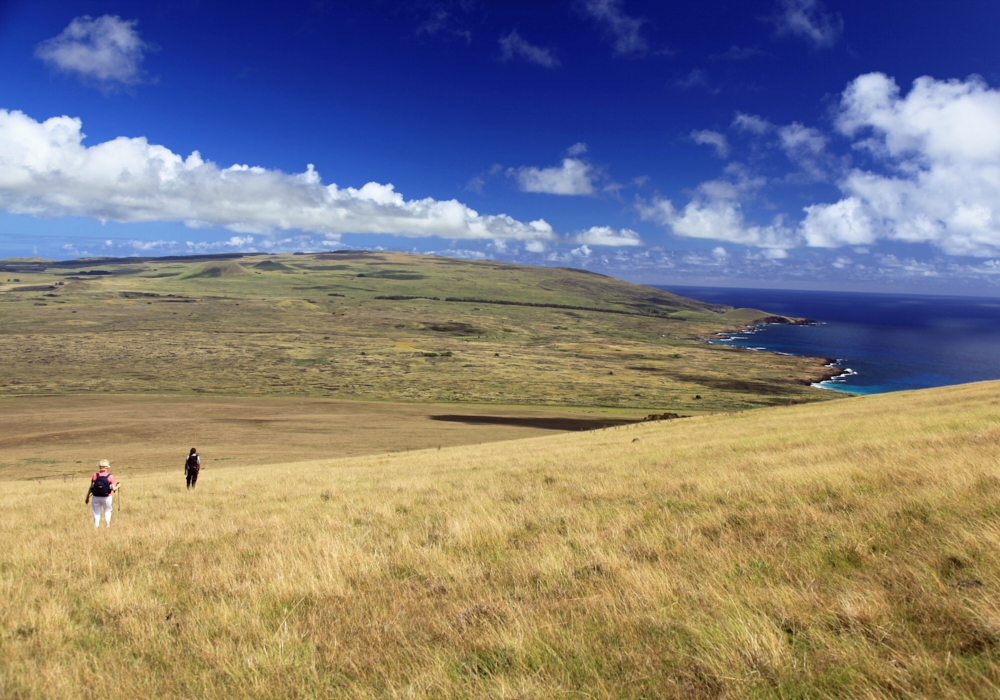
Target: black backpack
<point x="101" y="485"/>
<point x="192" y="463"/>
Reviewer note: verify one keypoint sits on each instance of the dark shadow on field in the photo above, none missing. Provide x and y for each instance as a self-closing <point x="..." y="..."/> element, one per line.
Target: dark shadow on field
<point x="541" y="423"/>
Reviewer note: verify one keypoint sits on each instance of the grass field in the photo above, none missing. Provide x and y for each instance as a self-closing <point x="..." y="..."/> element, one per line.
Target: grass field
<point x="62" y="437"/>
<point x="831" y="550"/>
<point x="323" y="326"/>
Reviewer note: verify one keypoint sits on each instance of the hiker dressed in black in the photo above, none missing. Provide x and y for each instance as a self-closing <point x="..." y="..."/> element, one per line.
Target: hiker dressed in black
<point x="192" y="465"/>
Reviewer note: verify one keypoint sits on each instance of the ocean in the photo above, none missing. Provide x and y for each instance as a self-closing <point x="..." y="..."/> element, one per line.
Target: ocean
<point x="882" y="342"/>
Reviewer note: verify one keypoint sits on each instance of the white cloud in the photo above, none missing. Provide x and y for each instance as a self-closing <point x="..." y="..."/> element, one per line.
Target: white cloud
<point x="233" y="244"/>
<point x="577" y="149"/>
<point x="607" y="236"/>
<point x="459" y="253"/>
<point x="535" y="247"/>
<point x="716" y="213"/>
<point x="625" y="31"/>
<point x="847" y="222"/>
<point x="752" y="123"/>
<point x="796" y="138"/>
<point x="910" y="266"/>
<point x="106" y="50"/>
<point x="706" y="137"/>
<point x="573" y="177"/>
<point x="46" y="171"/>
<point x="513" y="46"/>
<point x="807" y="20"/>
<point x="933" y="175"/>
<point x="940" y="148"/>
<point x="806" y="147"/>
<point x="718" y="220"/>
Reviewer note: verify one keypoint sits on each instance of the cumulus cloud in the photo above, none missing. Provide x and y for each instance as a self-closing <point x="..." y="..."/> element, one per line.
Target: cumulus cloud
<point x="796" y="138"/>
<point x="716" y="140"/>
<point x="718" y="220"/>
<point x="625" y="31"/>
<point x="572" y="177"/>
<point x="939" y="148"/>
<point x="806" y="147"/>
<point x="751" y="123"/>
<point x="513" y="46"/>
<point x="46" y="171"/>
<point x="807" y="19"/>
<point x="607" y="236"/>
<point x="107" y="51"/>
<point x="716" y="213"/>
<point x="932" y="175"/>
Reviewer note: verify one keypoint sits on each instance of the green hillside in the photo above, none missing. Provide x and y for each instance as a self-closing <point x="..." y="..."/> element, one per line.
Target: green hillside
<point x="377" y="326"/>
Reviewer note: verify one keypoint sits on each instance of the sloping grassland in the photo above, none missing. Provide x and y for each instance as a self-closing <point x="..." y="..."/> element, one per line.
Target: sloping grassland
<point x="842" y="549"/>
<point x="377" y="326"/>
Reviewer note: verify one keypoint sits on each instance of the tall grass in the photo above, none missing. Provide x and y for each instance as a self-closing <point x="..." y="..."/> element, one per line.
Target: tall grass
<point x="846" y="549"/>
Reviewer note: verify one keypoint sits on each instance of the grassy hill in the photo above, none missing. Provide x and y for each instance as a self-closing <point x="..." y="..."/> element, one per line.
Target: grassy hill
<point x="377" y="326"/>
<point x="840" y="549"/>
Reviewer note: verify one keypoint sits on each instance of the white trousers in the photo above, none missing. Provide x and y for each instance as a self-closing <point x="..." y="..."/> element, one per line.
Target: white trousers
<point x="98" y="502"/>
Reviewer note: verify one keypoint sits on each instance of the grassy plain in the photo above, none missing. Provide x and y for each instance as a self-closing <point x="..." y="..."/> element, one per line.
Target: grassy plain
<point x="315" y="326"/>
<point x="831" y="550"/>
<point x="63" y="437"/>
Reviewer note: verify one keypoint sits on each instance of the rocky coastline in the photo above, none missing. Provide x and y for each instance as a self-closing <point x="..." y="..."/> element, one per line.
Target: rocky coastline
<point x="831" y="369"/>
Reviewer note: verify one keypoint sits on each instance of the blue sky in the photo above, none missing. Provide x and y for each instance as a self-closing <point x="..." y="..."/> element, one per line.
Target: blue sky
<point x="782" y="143"/>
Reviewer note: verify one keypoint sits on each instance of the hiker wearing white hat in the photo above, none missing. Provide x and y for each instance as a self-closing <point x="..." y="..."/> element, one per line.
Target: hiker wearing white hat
<point x="102" y="488"/>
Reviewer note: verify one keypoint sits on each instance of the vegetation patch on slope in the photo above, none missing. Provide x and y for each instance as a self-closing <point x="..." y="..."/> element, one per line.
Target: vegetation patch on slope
<point x="241" y="326"/>
<point x="219" y="269"/>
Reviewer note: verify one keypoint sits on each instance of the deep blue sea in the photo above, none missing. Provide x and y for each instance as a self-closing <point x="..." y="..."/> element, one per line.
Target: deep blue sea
<point x="883" y="342"/>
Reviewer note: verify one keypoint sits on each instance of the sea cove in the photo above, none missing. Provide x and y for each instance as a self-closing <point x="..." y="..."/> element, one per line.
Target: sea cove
<point x="882" y="342"/>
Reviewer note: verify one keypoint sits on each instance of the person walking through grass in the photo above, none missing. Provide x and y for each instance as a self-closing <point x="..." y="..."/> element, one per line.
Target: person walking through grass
<point x="102" y="488"/>
<point x="192" y="465"/>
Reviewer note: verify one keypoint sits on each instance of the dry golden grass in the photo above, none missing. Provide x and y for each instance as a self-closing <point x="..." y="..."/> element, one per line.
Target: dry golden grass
<point x="844" y="549"/>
